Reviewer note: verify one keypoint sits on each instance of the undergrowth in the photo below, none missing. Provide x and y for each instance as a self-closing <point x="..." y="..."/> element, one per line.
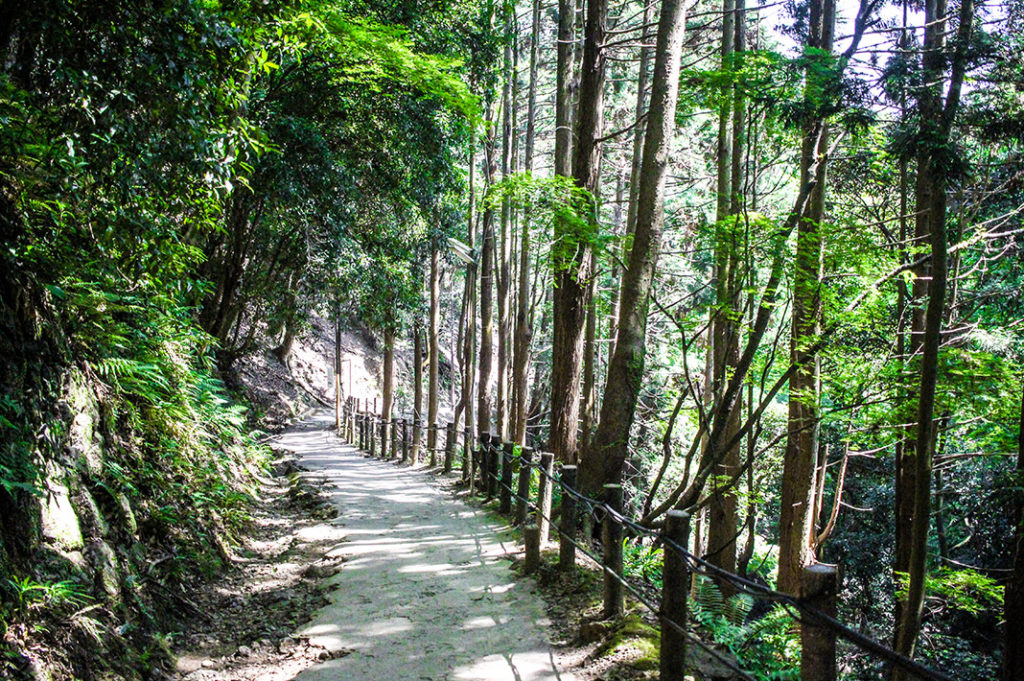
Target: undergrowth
<point x="174" y="473"/>
<point x="763" y="641"/>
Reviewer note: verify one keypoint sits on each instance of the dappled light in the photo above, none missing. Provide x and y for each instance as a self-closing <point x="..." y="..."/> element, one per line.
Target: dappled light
<point x="425" y="590"/>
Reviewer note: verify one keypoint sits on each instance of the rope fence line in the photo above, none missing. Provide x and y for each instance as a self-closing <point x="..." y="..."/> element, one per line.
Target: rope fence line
<point x="489" y="469"/>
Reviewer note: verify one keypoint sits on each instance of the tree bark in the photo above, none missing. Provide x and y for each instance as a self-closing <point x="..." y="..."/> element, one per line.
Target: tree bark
<point x="524" y="330"/>
<point x="797" y="517"/>
<point x="574" y="256"/>
<point x="388" y="387"/>
<point x="468" y="331"/>
<point x="604" y="458"/>
<point x="434" y="347"/>
<point x="504" y="238"/>
<point x="930" y="193"/>
<point x="725" y="328"/>
<point x="484" y="404"/>
<point x="417" y="389"/>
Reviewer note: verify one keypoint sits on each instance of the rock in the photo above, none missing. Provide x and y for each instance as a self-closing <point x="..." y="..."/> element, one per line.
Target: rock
<point x="244" y="651"/>
<point x="287" y="644"/>
<point x="85" y="442"/>
<point x="127" y="515"/>
<point x="91" y="520"/>
<point x="595" y="631"/>
<point x="104" y="563"/>
<point x="59" y="521"/>
<point x="320" y="571"/>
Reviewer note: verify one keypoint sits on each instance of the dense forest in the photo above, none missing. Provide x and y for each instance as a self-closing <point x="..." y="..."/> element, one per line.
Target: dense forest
<point x="763" y="262"/>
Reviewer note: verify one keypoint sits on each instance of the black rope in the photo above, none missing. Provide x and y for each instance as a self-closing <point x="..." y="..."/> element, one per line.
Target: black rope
<point x="601" y="511"/>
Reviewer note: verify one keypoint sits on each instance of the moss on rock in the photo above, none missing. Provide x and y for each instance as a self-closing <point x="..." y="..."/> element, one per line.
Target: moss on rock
<point x="633" y="637"/>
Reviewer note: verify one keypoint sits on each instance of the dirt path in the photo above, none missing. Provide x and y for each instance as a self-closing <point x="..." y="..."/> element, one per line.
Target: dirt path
<point x="425" y="592"/>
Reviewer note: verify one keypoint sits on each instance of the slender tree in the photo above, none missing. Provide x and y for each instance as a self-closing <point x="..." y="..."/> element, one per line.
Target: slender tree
<point x="604" y="458"/>
<point x="800" y="472"/>
<point x="388" y="385"/>
<point x="725" y="328"/>
<point x="487" y="255"/>
<point x="573" y="257"/>
<point x="524" y="331"/>
<point x="937" y="110"/>
<point x="433" y="346"/>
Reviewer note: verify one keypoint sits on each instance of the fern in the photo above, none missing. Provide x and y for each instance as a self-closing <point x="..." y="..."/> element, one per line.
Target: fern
<point x="766" y="646"/>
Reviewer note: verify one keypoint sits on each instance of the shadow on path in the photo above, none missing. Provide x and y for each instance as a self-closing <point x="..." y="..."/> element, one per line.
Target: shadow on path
<point x="425" y="592"/>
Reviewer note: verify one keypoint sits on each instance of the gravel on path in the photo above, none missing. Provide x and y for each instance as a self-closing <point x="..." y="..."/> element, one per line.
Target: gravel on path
<point x="426" y="592"/>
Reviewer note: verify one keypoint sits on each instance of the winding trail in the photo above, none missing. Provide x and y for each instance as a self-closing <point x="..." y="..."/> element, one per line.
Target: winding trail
<point x="426" y="592"/>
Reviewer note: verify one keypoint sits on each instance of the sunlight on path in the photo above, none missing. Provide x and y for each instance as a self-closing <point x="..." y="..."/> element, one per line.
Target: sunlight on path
<point x="425" y="592"/>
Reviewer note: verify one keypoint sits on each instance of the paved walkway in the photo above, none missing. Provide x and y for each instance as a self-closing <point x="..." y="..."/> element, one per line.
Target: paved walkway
<point x="425" y="593"/>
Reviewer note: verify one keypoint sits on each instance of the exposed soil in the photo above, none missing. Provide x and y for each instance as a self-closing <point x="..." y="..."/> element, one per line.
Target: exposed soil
<point x="281" y="392"/>
<point x="244" y="620"/>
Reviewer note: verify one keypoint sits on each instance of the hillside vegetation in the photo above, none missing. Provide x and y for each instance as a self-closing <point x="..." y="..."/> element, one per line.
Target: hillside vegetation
<point x="760" y="262"/>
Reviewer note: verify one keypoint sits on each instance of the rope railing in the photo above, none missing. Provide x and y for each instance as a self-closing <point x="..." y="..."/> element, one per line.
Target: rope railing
<point x="491" y="469"/>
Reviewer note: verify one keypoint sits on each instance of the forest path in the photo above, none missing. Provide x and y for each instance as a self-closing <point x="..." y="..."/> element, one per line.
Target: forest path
<point x="426" y="592"/>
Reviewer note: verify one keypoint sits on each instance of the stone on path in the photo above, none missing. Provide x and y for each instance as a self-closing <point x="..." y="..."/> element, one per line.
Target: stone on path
<point x="425" y="593"/>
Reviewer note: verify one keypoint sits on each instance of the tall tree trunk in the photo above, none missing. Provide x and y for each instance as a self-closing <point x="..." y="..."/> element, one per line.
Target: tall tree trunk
<point x="797" y="518"/>
<point x="417" y="389"/>
<point x="589" y="377"/>
<point x="388" y="386"/>
<point x="468" y="321"/>
<point x="638" y="131"/>
<point x="337" y="368"/>
<point x="604" y="458"/>
<point x="434" y="346"/>
<point x="903" y="501"/>
<point x="563" y="94"/>
<point x="1013" y="602"/>
<point x="524" y="332"/>
<point x="573" y="253"/>
<point x="725" y="328"/>
<point x="613" y="316"/>
<point x="486" y="296"/>
<point x="504" y="238"/>
<point x="930" y="195"/>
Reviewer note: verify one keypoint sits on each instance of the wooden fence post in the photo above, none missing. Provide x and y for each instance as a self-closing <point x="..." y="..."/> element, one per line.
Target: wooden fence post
<point x="467" y="457"/>
<point x="611" y="550"/>
<point x="818" y="585"/>
<point x="547" y="470"/>
<point x="523" y="488"/>
<point x="480" y="459"/>
<point x="417" y="440"/>
<point x="675" y="585"/>
<point x="394" y="440"/>
<point x="383" y="437"/>
<point x="449" y="447"/>
<point x="493" y="466"/>
<point x="531" y="542"/>
<point x="405" y="440"/>
<point x="432" y="429"/>
<point x="362" y="432"/>
<point x="373" y="434"/>
<point x="566" y="548"/>
<point x="507" y="452"/>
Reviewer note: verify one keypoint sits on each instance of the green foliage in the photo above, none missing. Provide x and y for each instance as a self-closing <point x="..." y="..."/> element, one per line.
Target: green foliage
<point x="642" y="561"/>
<point x="960" y="589"/>
<point x="378" y="53"/>
<point x="558" y="204"/>
<point x="766" y="646"/>
<point x="28" y="593"/>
